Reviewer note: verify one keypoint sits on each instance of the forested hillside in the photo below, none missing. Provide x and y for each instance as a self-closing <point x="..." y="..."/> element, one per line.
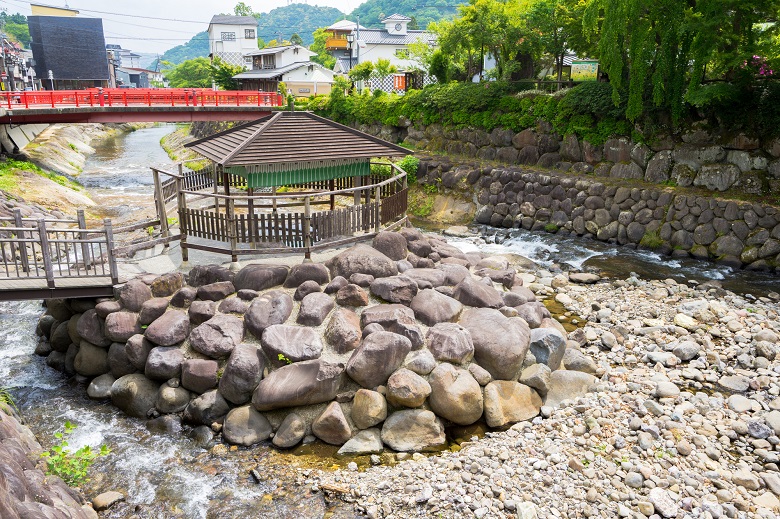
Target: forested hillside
<point x="301" y="19"/>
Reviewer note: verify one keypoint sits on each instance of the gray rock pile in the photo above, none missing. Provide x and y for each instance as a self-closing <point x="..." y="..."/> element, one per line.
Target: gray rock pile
<point x="379" y="346"/>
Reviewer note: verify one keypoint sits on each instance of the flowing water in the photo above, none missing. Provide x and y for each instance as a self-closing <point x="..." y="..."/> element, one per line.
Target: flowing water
<point x="170" y="475"/>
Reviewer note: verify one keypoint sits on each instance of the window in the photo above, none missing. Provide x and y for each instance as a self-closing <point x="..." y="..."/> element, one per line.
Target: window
<point x="402" y="53"/>
<point x="249" y="34"/>
<point x="228" y="36"/>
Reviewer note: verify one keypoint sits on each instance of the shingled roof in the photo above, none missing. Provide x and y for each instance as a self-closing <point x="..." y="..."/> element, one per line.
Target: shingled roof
<point x="287" y="137"/>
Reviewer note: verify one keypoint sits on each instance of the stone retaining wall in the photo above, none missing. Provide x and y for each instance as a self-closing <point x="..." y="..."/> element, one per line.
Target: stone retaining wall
<point x="25" y="491"/>
<point x="381" y="346"/>
<point x="735" y="233"/>
<point x="697" y="158"/>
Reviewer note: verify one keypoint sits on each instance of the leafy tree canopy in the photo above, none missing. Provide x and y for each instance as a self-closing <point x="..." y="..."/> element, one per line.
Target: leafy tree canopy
<point x="192" y="73"/>
<point x="323" y="57"/>
<point x="222" y="73"/>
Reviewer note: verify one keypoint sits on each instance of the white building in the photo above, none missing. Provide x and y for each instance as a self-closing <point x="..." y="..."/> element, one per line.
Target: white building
<point x="390" y="43"/>
<point x="290" y="64"/>
<point x="232" y="37"/>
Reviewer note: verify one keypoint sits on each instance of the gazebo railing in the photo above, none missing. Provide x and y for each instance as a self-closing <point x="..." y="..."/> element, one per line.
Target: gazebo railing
<point x="220" y="218"/>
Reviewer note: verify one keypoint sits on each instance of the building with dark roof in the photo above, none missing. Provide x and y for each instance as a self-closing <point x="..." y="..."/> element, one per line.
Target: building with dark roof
<point x="231" y="37"/>
<point x="72" y="48"/>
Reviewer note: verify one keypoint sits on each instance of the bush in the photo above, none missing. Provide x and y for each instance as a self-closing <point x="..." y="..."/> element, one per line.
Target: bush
<point x="71" y="467"/>
<point x="410" y="163"/>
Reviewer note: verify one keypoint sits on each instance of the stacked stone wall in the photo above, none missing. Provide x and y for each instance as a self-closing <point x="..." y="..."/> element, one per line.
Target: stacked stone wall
<point x="741" y="234"/>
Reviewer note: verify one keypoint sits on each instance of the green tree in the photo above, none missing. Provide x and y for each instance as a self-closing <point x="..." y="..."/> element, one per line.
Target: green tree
<point x="323" y="57"/>
<point x="193" y="73"/>
<point x="241" y="9"/>
<point x="659" y="51"/>
<point x="559" y="23"/>
<point x="222" y="74"/>
<point x="295" y="39"/>
<point x="361" y="71"/>
<point x="383" y="68"/>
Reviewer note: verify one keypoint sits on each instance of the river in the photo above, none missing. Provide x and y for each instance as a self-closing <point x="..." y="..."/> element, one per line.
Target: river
<point x="172" y="475"/>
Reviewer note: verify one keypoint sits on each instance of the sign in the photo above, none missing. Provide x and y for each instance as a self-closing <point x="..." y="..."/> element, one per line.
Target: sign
<point x="399" y="82"/>
<point x="304" y="90"/>
<point x="584" y="70"/>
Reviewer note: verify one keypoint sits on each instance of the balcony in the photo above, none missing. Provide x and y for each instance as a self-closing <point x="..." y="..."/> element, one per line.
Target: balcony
<point x="337" y="43"/>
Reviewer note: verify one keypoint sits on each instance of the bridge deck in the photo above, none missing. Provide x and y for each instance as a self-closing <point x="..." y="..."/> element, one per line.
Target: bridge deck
<point x="32" y="288"/>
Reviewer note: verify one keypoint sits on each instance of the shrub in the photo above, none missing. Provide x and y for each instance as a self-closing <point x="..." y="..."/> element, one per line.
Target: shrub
<point x="410" y="163"/>
<point x="651" y="240"/>
<point x="71" y="467"/>
<point x="551" y="227"/>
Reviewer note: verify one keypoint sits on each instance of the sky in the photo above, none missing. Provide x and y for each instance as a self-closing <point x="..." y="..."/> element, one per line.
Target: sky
<point x="155" y="26"/>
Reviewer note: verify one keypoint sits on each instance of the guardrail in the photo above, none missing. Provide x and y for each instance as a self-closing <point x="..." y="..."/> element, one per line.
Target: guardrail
<point x="125" y="97"/>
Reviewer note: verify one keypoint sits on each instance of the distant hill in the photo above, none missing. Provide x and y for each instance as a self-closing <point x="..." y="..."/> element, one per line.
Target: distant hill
<point x="302" y="19"/>
<point x="372" y="11"/>
<point x="197" y="47"/>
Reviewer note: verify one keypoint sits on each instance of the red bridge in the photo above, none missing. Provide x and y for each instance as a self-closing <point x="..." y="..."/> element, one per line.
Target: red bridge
<point x="135" y="105"/>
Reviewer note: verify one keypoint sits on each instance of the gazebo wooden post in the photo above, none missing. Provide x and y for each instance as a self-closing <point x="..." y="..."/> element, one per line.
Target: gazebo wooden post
<point x="216" y="167"/>
<point x="274" y="216"/>
<point x="332" y="187"/>
<point x="378" y="199"/>
<point x="230" y="216"/>
<point x="181" y="201"/>
<point x="252" y="222"/>
<point x="307" y="227"/>
<point x="357" y="182"/>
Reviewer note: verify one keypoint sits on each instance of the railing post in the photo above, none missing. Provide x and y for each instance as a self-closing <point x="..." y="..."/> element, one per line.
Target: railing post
<point x="160" y="200"/>
<point x="357" y="182"/>
<point x="231" y="221"/>
<point x="217" y="169"/>
<point x="307" y="227"/>
<point x="26" y="101"/>
<point x="110" y="251"/>
<point x="181" y="202"/>
<point x="181" y="168"/>
<point x="22" y="245"/>
<point x="51" y="94"/>
<point x="85" y="252"/>
<point x="46" y="253"/>
<point x="378" y="197"/>
<point x="251" y="210"/>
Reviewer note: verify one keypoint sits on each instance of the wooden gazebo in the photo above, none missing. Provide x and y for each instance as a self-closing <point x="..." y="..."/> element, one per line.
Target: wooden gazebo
<point x="265" y="177"/>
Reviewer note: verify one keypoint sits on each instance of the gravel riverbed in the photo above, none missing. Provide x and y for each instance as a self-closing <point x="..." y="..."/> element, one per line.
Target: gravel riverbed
<point x="685" y="421"/>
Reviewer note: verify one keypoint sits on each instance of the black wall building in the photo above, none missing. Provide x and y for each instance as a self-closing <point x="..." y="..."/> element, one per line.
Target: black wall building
<point x="74" y="49"/>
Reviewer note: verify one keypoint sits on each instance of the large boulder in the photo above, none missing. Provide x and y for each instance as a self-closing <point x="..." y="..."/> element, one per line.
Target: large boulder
<point x="351" y="295"/>
<point x="245" y="426"/>
<point x="407" y="389"/>
<point x="206" y="409"/>
<point x="152" y="309"/>
<point x="91" y="360"/>
<point x="395" y="289"/>
<point x="450" y="342"/>
<point x="216" y="291"/>
<point x="167" y="284"/>
<point x="548" y="346"/>
<point x="391" y="244"/>
<point x="260" y="277"/>
<point x="568" y="385"/>
<point x="455" y="395"/>
<point x="316" y="272"/>
<point x="134" y="394"/>
<point x="377" y="357"/>
<point x="202" y="311"/>
<point x="363" y="443"/>
<point x="172" y="328"/>
<point x="369" y="408"/>
<point x="343" y="330"/>
<point x="164" y="362"/>
<point x="507" y="402"/>
<point x="413" y="430"/>
<point x="331" y="425"/>
<point x="91" y="328"/>
<point x="453" y="273"/>
<point x="206" y="274"/>
<point x="217" y="337"/>
<point x="427" y="276"/>
<point x="284" y="344"/>
<point x="137" y="350"/>
<point x="199" y="375"/>
<point x="118" y="361"/>
<point x="301" y="383"/>
<point x="362" y="259"/>
<point x="386" y="315"/>
<point x="172" y="399"/>
<point x="432" y="307"/>
<point x="315" y="307"/>
<point x="120" y="326"/>
<point x="134" y="294"/>
<point x="500" y="343"/>
<point x="290" y="432"/>
<point x="243" y="371"/>
<point x="473" y="293"/>
<point x="273" y="307"/>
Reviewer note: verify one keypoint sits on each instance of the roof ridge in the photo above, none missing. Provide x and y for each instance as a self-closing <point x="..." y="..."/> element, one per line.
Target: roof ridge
<point x="257" y="133"/>
<point x="229" y="130"/>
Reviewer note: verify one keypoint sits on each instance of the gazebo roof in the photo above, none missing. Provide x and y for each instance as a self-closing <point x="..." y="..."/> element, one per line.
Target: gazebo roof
<point x="292" y="137"/>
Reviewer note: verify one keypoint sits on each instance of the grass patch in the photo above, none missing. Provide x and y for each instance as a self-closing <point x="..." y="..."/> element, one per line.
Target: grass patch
<point x="651" y="240"/>
<point x="9" y="180"/>
<point x="551" y="228"/>
<point x="7" y="399"/>
<point x="421" y="201"/>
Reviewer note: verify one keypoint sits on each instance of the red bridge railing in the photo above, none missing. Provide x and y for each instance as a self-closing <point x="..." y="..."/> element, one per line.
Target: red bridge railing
<point x="138" y="97"/>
